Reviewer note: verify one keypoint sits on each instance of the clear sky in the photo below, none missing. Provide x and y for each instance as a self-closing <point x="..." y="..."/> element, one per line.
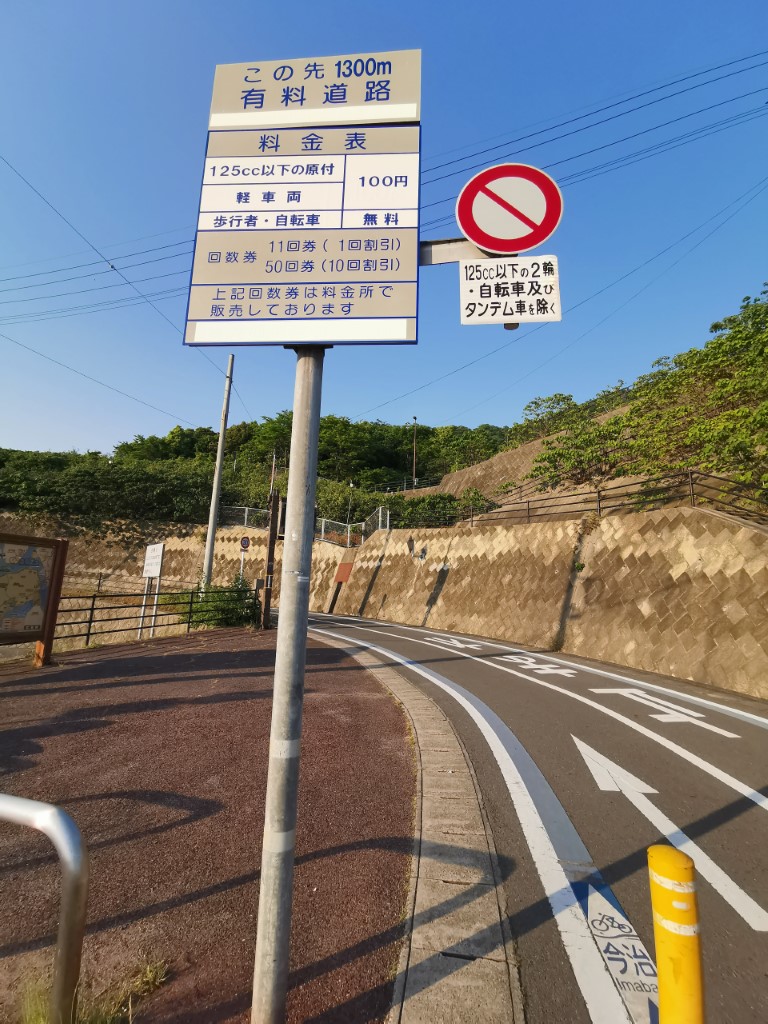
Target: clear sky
<point x="104" y="111"/>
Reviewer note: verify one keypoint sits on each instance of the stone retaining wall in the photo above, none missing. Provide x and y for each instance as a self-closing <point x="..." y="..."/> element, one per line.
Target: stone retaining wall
<point x="677" y="591"/>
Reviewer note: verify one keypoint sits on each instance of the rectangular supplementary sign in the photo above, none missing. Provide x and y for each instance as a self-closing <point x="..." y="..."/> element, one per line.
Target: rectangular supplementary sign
<point x="153" y="561"/>
<point x="509" y="289"/>
<point x="357" y="88"/>
<point x="308" y="224"/>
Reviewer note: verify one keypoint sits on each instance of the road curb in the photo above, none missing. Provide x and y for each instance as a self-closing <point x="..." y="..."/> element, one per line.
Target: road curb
<point x="458" y="961"/>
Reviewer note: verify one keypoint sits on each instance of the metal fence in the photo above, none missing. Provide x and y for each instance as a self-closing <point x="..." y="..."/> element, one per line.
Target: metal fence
<point x="691" y="487"/>
<point x="95" y="617"/>
<point x="244" y="515"/>
<point x="351" y="535"/>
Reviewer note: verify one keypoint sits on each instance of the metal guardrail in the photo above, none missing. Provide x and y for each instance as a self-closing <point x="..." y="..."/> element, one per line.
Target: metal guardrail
<point x="190" y="609"/>
<point x="689" y="487"/>
<point x="244" y="515"/>
<point x="73" y="856"/>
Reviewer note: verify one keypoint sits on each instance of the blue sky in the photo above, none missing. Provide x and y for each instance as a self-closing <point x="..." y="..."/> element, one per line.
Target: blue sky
<point x="104" y="111"/>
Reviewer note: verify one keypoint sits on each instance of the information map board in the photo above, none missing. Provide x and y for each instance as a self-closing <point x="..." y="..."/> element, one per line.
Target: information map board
<point x="308" y="224"/>
<point x="31" y="569"/>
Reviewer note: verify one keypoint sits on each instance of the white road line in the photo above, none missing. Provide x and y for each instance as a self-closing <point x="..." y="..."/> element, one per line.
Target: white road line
<point x="694" y="759"/>
<point x="604" y="1004"/>
<point x="610" y="776"/>
<point x="665" y="711"/>
<point x="746" y="716"/>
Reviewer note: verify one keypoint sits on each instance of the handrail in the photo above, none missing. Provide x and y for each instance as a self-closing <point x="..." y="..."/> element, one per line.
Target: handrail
<point x="73" y="856"/>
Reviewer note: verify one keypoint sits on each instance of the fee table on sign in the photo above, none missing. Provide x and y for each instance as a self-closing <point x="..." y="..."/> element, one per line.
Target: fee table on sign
<point x="307" y="231"/>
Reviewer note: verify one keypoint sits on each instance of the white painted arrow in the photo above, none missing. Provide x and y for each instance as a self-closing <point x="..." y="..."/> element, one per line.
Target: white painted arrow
<point x="612" y="778"/>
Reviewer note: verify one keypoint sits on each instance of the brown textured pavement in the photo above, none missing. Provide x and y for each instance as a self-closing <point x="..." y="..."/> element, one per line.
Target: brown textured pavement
<point x="159" y="752"/>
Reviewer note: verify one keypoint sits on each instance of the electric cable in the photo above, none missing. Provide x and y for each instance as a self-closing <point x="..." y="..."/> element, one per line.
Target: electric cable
<point x="762" y="182"/>
<point x="94" y="263"/>
<point x="117" y="270"/>
<point x="658" y="148"/>
<point x="618" y="309"/>
<point x="625" y="138"/>
<point x="625" y="97"/>
<point x="576" y="131"/>
<point x="95" y="380"/>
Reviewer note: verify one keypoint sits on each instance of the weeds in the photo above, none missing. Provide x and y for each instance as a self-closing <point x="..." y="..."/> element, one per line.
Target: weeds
<point x="116" y="1005"/>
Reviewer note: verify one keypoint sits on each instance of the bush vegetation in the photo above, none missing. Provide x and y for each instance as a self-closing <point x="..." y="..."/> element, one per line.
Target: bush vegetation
<point x="706" y="408"/>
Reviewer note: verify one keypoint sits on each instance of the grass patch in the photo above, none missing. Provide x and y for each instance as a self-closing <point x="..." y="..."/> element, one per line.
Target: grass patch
<point x="116" y="1005"/>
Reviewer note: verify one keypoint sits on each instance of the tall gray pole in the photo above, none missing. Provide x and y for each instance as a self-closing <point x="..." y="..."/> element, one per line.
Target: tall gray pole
<point x="270" y="979"/>
<point x="213" y="517"/>
<point x="414" y="451"/>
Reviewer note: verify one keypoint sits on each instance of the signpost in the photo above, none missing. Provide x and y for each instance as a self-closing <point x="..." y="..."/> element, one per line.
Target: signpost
<point x="245" y="543"/>
<point x="153" y="570"/>
<point x="521" y="289"/>
<point x="509" y="209"/>
<point x="307" y="237"/>
<point x="308" y="223"/>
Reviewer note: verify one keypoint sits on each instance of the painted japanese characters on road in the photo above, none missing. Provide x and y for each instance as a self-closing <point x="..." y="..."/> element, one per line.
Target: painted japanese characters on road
<point x="308" y="224"/>
<point x="525" y="289"/>
<point x="509" y="209"/>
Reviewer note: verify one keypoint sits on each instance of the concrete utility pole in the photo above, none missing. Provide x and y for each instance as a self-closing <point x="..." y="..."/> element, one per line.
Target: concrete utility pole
<point x="213" y="517"/>
<point x="273" y="929"/>
<point x="414" y="451"/>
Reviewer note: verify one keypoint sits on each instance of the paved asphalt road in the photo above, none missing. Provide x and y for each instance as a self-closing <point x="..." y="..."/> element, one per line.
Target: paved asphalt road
<point x="583" y="766"/>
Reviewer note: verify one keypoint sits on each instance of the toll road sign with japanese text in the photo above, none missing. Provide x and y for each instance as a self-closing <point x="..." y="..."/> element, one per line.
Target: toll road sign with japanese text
<point x="308" y="231"/>
<point x="509" y="209"/>
<point x="520" y="289"/>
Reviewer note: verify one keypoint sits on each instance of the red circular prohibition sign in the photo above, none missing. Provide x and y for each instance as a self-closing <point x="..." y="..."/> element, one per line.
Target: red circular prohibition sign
<point x="539" y="228"/>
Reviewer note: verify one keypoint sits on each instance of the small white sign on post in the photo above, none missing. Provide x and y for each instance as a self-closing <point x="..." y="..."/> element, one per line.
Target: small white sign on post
<point x="153" y="570"/>
<point x="512" y="289"/>
<point x="153" y="561"/>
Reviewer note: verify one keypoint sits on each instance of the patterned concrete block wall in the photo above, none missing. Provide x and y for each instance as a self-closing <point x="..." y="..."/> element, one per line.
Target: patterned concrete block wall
<point x="492" y="580"/>
<point x="678" y="591"/>
<point x="120" y="564"/>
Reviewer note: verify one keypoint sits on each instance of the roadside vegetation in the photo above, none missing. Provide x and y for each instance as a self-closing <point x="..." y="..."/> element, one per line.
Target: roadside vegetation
<point x="706" y="408"/>
<point x="115" y="1005"/>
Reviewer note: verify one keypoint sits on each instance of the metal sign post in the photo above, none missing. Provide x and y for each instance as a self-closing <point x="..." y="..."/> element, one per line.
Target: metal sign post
<point x="276" y="881"/>
<point x="307" y="237"/>
<point x="153" y="570"/>
<point x="245" y="543"/>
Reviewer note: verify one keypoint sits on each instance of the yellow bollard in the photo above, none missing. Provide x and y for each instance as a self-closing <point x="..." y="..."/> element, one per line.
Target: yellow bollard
<point x="676" y="932"/>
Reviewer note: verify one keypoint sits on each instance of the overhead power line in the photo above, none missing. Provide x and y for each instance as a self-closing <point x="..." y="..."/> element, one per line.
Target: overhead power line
<point x="627" y="138"/>
<point x="576" y="131"/>
<point x="78" y="252"/>
<point x="760" y="186"/>
<point x="591" y="108"/>
<point x="117" y="270"/>
<point x="95" y="380"/>
<point x="626" y="302"/>
<point x="627" y="159"/>
<point x="88" y="307"/>
<point x="93" y="263"/>
<point x="96" y="288"/>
